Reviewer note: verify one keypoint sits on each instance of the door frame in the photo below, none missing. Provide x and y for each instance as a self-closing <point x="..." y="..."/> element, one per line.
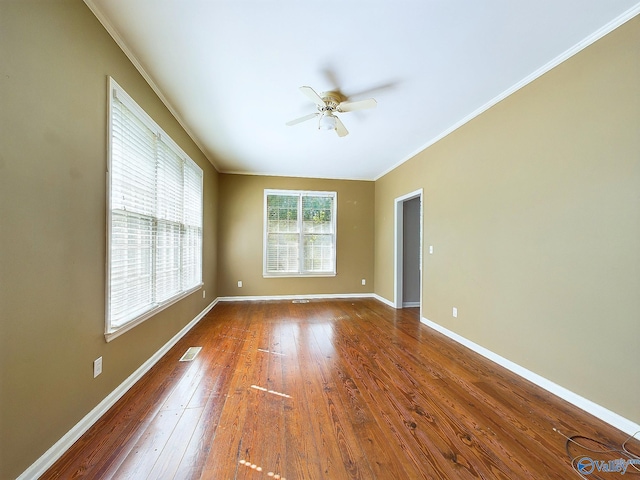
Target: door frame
<point x="398" y="248"/>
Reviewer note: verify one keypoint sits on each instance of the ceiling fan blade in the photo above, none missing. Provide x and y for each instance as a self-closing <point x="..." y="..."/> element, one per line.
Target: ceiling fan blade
<point x="332" y="78"/>
<point x="373" y="90"/>
<point x="313" y="96"/>
<point x="302" y="119"/>
<point x="341" y="130"/>
<point x="359" y="105"/>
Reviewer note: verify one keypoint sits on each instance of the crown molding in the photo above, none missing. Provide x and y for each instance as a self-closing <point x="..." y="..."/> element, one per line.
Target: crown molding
<point x="111" y="30"/>
<point x="567" y="54"/>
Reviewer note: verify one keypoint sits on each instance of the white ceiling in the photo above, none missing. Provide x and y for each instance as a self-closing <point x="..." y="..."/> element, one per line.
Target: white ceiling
<point x="230" y="70"/>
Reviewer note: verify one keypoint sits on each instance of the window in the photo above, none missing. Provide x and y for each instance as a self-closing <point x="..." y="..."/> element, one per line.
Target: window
<point x="300" y="233"/>
<point x="154" y="248"/>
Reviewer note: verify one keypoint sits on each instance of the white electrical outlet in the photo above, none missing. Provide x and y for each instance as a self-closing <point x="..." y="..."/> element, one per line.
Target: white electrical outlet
<point x="239" y="283"/>
<point x="97" y="367"/>
<point x="364" y="281"/>
<point x="204" y="294"/>
<point x="431" y="249"/>
<point x="455" y="312"/>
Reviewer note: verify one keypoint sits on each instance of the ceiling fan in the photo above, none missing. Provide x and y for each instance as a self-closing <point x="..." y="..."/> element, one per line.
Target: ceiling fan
<point x="330" y="103"/>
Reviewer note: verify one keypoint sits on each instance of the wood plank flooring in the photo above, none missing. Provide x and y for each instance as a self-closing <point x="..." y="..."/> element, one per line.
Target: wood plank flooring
<point x="344" y="389"/>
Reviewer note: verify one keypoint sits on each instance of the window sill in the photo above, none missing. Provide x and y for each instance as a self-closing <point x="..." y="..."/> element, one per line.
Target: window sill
<point x="116" y="332"/>
<point x="297" y="275"/>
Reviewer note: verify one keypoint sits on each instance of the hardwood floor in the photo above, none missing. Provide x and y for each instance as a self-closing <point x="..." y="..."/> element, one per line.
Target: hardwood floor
<point x="330" y="390"/>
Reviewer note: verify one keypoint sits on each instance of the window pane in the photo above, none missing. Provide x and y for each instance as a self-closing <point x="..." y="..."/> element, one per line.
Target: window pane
<point x="133" y="163"/>
<point x="318" y="253"/>
<point x="192" y="195"/>
<point x="191" y="257"/>
<point x="169" y="184"/>
<point x="167" y="260"/>
<point x="282" y="253"/>
<point x="282" y="213"/>
<point x="317" y="214"/>
<point x="131" y="281"/>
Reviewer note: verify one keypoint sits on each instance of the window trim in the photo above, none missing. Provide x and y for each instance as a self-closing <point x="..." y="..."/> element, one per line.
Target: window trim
<point x="115" y="90"/>
<point x="301" y="273"/>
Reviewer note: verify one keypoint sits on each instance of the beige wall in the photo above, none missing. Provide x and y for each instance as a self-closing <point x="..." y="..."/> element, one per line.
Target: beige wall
<point x="240" y="237"/>
<point x="54" y="61"/>
<point x="533" y="209"/>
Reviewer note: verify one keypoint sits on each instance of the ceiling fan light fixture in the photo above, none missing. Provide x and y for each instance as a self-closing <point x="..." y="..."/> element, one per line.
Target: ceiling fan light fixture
<point x="327" y="122"/>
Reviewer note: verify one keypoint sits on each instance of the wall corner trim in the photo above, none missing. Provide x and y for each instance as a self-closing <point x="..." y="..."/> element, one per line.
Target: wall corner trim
<point x="604" y="414"/>
<point x="61" y="446"/>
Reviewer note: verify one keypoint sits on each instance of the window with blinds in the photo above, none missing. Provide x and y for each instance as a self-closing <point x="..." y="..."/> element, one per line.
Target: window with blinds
<point x="154" y="217"/>
<point x="300" y="233"/>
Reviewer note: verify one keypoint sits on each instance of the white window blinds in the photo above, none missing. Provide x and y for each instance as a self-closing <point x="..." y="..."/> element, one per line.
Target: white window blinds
<point x="155" y="217"/>
<point x="300" y="233"/>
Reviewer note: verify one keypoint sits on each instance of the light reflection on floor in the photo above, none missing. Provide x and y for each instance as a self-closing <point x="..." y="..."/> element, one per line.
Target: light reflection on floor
<point x="262" y="389"/>
<point x="272" y="353"/>
<point x="257" y="468"/>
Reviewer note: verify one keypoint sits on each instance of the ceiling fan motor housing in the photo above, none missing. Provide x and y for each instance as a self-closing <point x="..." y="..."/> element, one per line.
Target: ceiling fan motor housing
<point x="331" y="100"/>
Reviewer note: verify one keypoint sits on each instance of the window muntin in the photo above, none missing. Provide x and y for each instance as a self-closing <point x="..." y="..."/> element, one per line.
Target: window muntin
<point x="154" y="217"/>
<point x="300" y="233"/>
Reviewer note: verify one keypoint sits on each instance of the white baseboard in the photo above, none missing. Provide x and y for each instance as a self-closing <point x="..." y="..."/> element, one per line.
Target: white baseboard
<point x="61" y="446"/>
<point x="588" y="406"/>
<point x="249" y="298"/>
<point x="410" y="304"/>
<point x="384" y="300"/>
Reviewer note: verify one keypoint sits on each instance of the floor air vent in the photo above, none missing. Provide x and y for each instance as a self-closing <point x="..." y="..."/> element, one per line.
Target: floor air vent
<point x="300" y="301"/>
<point x="190" y="354"/>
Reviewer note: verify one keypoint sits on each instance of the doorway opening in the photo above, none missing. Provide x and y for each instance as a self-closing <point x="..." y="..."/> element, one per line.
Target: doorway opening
<point x="408" y="251"/>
